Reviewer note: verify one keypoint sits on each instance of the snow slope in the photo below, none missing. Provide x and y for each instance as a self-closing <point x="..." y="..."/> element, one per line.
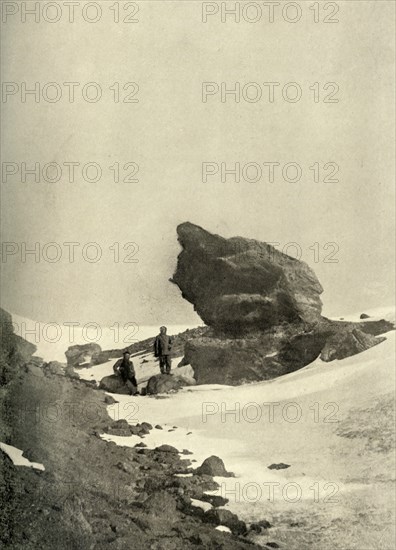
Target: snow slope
<point x="330" y="422"/>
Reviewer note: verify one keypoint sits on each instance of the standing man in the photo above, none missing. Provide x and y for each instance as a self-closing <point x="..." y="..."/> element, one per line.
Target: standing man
<point x="124" y="367"/>
<point x="162" y="349"/>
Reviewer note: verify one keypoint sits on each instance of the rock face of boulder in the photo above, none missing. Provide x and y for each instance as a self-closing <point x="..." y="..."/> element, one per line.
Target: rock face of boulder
<point x="213" y="466"/>
<point x="114" y="384"/>
<point x="342" y="345"/>
<point x="164" y="383"/>
<point x="239" y="285"/>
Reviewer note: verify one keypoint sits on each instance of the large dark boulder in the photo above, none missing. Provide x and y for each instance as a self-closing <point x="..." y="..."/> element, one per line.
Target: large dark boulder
<point x="83" y="354"/>
<point x="164" y="383"/>
<point x="114" y="384"/>
<point x="239" y="285"/>
<point x="213" y="466"/>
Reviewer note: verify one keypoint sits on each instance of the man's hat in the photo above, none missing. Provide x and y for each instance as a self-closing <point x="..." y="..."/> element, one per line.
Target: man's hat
<point x="126" y="352"/>
<point x="162" y="327"/>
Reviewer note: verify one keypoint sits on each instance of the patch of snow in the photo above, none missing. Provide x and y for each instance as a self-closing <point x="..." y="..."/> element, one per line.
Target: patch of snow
<point x="205" y="506"/>
<point x="223" y="528"/>
<point x="16" y="455"/>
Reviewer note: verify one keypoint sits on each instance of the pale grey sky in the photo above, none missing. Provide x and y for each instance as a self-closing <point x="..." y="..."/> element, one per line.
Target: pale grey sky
<point x="171" y="132"/>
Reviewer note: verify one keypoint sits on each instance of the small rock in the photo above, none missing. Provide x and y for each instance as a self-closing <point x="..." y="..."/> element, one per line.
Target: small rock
<point x="219" y="516"/>
<point x="166" y="449"/>
<point x="364" y="316"/>
<point x="213" y="466"/>
<point x="146" y="425"/>
<point x="140" y="444"/>
<point x="158" y="427"/>
<point x="186" y="452"/>
<point x="214" y="500"/>
<point x="109" y="400"/>
<point x="259" y="526"/>
<point x="272" y="544"/>
<point x="280" y="466"/>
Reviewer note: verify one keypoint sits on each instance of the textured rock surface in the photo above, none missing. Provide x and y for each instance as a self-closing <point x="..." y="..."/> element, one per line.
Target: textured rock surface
<point x="240" y="285"/>
<point x="14" y="350"/>
<point x="345" y="344"/>
<point x="163" y="383"/>
<point x="213" y="466"/>
<point x="114" y="384"/>
<point x="263" y="311"/>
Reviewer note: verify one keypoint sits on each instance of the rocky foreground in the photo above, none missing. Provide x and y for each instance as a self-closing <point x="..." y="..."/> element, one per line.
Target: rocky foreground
<point x="95" y="494"/>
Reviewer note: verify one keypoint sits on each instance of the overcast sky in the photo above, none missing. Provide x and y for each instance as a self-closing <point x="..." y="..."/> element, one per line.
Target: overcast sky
<point x="170" y="132"/>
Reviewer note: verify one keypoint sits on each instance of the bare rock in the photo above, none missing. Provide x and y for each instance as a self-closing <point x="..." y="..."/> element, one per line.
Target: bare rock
<point x="345" y="344"/>
<point x="219" y="516"/>
<point x="213" y="466"/>
<point x="81" y="355"/>
<point x="114" y="384"/>
<point x="279" y="466"/>
<point x="238" y="285"/>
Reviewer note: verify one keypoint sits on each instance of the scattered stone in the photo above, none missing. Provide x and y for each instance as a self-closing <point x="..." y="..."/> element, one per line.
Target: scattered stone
<point x="166" y="449"/>
<point x="146" y="425"/>
<point x="280" y="466"/>
<point x="364" y="316"/>
<point x="214" y="500"/>
<point x="272" y="544"/>
<point x="109" y="400"/>
<point x="186" y="452"/>
<point x="213" y="466"/>
<point x="158" y="427"/>
<point x="141" y="444"/>
<point x="220" y="516"/>
<point x="260" y="526"/>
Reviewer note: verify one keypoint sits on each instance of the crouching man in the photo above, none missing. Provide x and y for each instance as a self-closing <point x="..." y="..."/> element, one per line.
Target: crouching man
<point x="124" y="368"/>
<point x="162" y="350"/>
